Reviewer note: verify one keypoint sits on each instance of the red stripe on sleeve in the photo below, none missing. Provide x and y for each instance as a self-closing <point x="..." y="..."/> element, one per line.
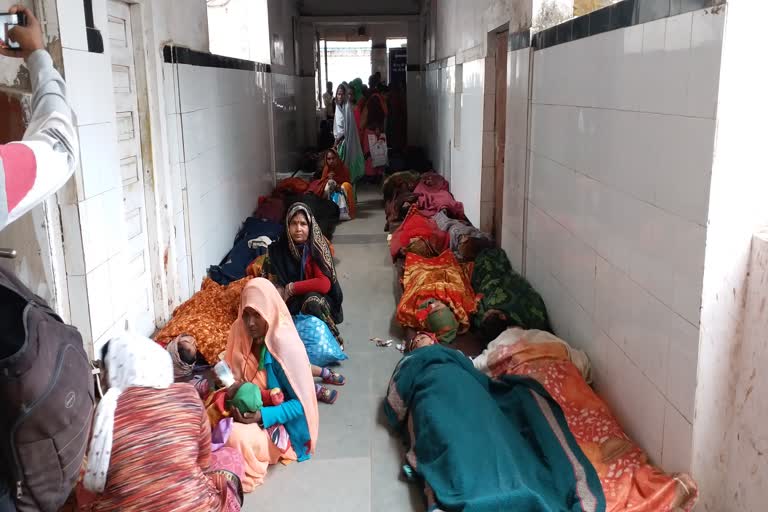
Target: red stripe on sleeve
<point x="20" y="172"/>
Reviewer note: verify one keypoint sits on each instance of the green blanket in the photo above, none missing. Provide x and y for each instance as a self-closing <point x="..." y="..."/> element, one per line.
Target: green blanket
<point x="503" y="289"/>
<point x="483" y="445"/>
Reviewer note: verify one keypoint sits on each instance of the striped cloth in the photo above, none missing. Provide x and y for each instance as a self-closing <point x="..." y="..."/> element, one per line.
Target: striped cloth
<point x="160" y="453"/>
<point x="37" y="166"/>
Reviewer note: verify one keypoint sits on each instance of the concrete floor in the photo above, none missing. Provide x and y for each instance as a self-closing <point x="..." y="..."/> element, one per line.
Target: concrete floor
<point x="357" y="467"/>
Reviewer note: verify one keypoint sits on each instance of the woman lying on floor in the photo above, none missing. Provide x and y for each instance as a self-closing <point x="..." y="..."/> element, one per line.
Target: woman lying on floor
<point x="264" y="349"/>
<point x="485" y="445"/>
<point x="138" y="463"/>
<point x="301" y="266"/>
<point x="335" y="178"/>
<point x="506" y="298"/>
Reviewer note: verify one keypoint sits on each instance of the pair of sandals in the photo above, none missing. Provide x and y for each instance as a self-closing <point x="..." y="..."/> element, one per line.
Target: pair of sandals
<point x="329" y="396"/>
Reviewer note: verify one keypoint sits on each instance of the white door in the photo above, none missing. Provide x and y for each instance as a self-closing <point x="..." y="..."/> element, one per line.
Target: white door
<point x="138" y="276"/>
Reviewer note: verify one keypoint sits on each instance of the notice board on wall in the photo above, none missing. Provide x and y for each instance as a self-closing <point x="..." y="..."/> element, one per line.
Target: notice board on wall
<point x="398" y="65"/>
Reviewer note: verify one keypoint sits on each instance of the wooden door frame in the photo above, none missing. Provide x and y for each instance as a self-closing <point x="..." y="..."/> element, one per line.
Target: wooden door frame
<point x="155" y="156"/>
<point x="500" y="119"/>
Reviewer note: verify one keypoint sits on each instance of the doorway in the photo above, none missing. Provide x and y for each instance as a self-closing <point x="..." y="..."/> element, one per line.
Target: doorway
<point x="500" y="133"/>
<point x="138" y="270"/>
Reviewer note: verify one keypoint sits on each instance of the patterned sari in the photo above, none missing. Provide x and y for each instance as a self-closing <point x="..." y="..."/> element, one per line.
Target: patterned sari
<point x="630" y="483"/>
<point x="441" y="278"/>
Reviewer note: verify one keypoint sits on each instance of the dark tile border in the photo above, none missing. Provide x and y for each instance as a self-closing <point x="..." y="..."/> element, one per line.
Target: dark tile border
<point x="519" y="40"/>
<point x="619" y="15"/>
<point x="181" y="55"/>
<point x="92" y="34"/>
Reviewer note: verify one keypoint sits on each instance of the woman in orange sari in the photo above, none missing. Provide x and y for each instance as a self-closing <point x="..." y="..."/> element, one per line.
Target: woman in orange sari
<point x="265" y="349"/>
<point x="337" y="171"/>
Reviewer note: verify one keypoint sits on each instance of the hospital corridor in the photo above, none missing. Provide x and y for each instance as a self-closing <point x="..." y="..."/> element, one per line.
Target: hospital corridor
<point x="403" y="256"/>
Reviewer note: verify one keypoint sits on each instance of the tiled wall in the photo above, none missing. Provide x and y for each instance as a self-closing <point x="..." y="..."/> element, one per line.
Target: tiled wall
<point x="515" y="160"/>
<point x="454" y="118"/>
<point x="218" y="124"/>
<point x="467" y="148"/>
<point x="93" y="219"/>
<point x="622" y="139"/>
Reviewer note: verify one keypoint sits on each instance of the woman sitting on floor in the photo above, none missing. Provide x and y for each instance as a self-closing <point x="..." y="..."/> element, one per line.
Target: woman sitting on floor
<point x="264" y="349"/>
<point x="138" y="463"/>
<point x="301" y="266"/>
<point x="335" y="178"/>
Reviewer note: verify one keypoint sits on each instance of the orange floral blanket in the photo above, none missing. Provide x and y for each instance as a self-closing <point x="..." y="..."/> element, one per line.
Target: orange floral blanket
<point x="207" y="316"/>
<point x="630" y="482"/>
<point x="441" y="278"/>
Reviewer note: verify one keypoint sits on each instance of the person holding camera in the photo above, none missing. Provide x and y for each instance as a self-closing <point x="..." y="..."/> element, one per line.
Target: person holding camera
<point x="39" y="407"/>
<point x="38" y="165"/>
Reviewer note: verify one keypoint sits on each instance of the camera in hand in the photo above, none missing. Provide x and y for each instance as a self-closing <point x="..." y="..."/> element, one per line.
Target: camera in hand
<point x="7" y="22"/>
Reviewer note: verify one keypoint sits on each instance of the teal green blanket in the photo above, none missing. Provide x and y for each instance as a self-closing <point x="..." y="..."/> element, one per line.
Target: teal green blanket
<point x="483" y="445"/>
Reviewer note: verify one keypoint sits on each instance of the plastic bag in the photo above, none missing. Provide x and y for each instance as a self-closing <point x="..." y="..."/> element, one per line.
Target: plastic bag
<point x="340" y="199"/>
<point x="322" y="347"/>
<point x="378" y="149"/>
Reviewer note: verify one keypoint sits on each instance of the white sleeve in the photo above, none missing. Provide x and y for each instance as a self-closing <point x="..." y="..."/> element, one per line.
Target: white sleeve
<point x="46" y="157"/>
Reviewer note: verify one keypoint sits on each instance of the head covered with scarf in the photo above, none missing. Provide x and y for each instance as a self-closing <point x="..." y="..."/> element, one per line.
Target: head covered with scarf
<point x="131" y="361"/>
<point x="419" y="340"/>
<point x="283" y="343"/>
<point x="287" y="259"/>
<point x="179" y="349"/>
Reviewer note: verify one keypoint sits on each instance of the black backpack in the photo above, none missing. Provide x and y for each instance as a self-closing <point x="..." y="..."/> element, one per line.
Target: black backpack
<point x="46" y="400"/>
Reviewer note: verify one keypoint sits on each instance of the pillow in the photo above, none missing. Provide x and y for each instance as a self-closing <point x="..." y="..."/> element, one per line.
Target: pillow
<point x="322" y="347"/>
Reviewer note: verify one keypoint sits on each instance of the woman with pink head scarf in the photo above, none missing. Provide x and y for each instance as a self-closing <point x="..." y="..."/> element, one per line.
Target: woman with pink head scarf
<point x="265" y="349"/>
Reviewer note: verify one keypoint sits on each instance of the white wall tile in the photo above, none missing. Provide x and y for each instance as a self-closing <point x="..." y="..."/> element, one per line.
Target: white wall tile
<point x="627" y="391"/>
<point x="198" y="87"/>
<point x="103" y="227"/>
<point x="77" y="290"/>
<point x="570" y="260"/>
<point x="170" y="88"/>
<point x="100" y="299"/>
<point x="99" y="162"/>
<point x="175" y="145"/>
<point x="704" y="71"/>
<point x="637" y="322"/>
<point x="73" y="240"/>
<point x="118" y="281"/>
<point x="89" y="86"/>
<point x="72" y="25"/>
<point x="177" y="184"/>
<point x="683" y="363"/>
<point x="678" y="441"/>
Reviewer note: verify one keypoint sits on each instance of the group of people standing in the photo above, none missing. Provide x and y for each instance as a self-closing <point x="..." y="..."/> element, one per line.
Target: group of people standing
<point x="367" y="121"/>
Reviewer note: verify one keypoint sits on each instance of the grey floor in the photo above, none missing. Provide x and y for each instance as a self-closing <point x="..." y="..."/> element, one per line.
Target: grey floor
<point x="358" y="462"/>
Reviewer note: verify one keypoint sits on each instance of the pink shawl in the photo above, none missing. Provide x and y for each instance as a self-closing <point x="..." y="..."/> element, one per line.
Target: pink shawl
<point x="434" y="196"/>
